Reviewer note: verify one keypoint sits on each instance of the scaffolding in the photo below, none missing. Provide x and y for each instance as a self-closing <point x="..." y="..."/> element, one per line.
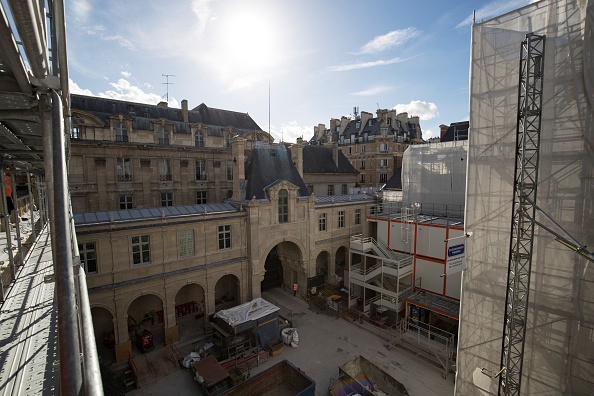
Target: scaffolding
<point x="557" y="354"/>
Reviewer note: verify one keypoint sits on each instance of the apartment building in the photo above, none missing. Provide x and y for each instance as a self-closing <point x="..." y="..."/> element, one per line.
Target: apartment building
<point x="373" y="145"/>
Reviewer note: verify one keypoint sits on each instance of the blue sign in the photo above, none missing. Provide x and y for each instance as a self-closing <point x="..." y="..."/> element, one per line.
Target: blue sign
<point x="455" y="250"/>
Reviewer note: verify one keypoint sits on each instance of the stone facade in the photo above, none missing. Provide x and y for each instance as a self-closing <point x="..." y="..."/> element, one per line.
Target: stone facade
<point x="373" y="145"/>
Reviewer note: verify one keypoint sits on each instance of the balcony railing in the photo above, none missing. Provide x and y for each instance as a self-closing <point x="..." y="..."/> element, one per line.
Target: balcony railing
<point x="122" y="178"/>
<point x="123" y="138"/>
<point x="164" y="141"/>
<point x="165" y="177"/>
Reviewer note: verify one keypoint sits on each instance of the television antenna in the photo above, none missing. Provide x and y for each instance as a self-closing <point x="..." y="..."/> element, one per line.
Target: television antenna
<point x="167" y="84"/>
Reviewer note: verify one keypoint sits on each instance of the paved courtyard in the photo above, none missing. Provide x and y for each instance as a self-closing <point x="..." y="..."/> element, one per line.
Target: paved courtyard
<point x="326" y="342"/>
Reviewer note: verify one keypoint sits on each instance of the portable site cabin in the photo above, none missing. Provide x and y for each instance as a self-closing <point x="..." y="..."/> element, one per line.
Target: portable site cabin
<point x="258" y="315"/>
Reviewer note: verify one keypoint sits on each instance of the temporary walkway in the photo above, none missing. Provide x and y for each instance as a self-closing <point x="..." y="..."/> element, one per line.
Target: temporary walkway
<point x="28" y="327"/>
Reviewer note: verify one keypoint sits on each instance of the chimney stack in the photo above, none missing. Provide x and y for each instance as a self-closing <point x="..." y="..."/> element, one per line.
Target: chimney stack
<point x="238" y="152"/>
<point x="443" y="130"/>
<point x="185" y="110"/>
<point x="335" y="153"/>
<point x="297" y="155"/>
<point x="162" y="104"/>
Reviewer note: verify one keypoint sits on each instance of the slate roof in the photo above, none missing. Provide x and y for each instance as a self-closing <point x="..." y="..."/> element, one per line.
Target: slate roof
<point x="456" y="131"/>
<point x="160" y="213"/>
<point x="267" y="164"/>
<point x="320" y="159"/>
<point x="143" y="115"/>
<point x="374" y="129"/>
<point x="395" y="182"/>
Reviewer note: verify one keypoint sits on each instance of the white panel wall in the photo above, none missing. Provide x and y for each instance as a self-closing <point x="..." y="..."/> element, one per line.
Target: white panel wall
<point x="399" y="240"/>
<point x="430" y="241"/>
<point x="382" y="232"/>
<point x="453" y="284"/>
<point x="429" y="272"/>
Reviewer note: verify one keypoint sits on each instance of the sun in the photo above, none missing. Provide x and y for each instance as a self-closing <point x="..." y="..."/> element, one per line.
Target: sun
<point x="249" y="39"/>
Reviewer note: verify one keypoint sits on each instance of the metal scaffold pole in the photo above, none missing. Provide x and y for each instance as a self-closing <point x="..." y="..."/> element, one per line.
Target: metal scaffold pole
<point x="523" y="212"/>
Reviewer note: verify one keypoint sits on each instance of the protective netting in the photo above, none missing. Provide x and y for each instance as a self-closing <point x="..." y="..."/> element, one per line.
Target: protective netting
<point x="434" y="175"/>
<point x="559" y="342"/>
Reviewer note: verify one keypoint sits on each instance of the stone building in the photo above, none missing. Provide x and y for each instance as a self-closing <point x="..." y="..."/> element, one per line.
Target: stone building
<point x="131" y="155"/>
<point x="169" y="261"/>
<point x="373" y="145"/>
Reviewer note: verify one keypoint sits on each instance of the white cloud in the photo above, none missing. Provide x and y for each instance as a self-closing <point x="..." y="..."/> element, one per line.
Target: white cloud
<point x="75" y="89"/>
<point x="131" y="93"/>
<point x="389" y="40"/>
<point x="425" y="111"/>
<point x="126" y="74"/>
<point x="364" y="65"/>
<point x="372" y="91"/>
<point x="493" y="9"/>
<point x="427" y="134"/>
<point x="290" y="131"/>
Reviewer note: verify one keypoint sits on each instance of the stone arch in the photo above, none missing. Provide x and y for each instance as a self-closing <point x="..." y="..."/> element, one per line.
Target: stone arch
<point x="271" y="245"/>
<point x="227" y="291"/>
<point x="146" y="313"/>
<point x="105" y="334"/>
<point x="341" y="261"/>
<point x="283" y="265"/>
<point x="323" y="261"/>
<point x="189" y="304"/>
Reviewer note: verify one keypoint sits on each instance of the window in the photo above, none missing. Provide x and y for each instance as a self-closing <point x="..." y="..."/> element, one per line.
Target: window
<point x="362" y="164"/>
<point x="389" y="121"/>
<point x="164" y="169"/>
<point x="344" y="190"/>
<point x="365" y="137"/>
<point x="126" y="201"/>
<point x="362" y="149"/>
<point x="229" y="170"/>
<point x="88" y="256"/>
<point x="200" y="197"/>
<point x="200" y="169"/>
<point x="383" y="147"/>
<point x="362" y="178"/>
<point x="330" y="189"/>
<point x="163" y="136"/>
<point x="357" y="216"/>
<point x="124" y="169"/>
<point x="141" y="249"/>
<point x="310" y="188"/>
<point x="341" y="219"/>
<point x="384" y="163"/>
<point x="76" y="132"/>
<point x="225" y="237"/>
<point x="121" y="132"/>
<point x="185" y="239"/>
<point x="370" y="122"/>
<point x="283" y="206"/>
<point x="322" y="222"/>
<point x="228" y="140"/>
<point x="353" y="139"/>
<point x="383" y="178"/>
<point x="199" y="139"/>
<point x="350" y="150"/>
<point x="384" y="131"/>
<point x="167" y="199"/>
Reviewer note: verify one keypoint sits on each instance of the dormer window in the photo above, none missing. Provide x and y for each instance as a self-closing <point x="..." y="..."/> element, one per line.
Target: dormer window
<point x="163" y="136"/>
<point x="283" y="206"/>
<point x="76" y="130"/>
<point x="370" y="122"/>
<point x="199" y="139"/>
<point x="121" y="132"/>
<point x="389" y="121"/>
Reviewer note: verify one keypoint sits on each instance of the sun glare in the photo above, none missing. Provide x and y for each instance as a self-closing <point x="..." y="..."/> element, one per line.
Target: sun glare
<point x="249" y="40"/>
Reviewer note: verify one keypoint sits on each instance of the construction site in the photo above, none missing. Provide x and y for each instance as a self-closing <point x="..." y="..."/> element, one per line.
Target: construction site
<point x="477" y="281"/>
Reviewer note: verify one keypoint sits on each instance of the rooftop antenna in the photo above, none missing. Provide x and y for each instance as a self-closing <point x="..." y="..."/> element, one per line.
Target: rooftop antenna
<point x="269" y="107"/>
<point x="167" y="84"/>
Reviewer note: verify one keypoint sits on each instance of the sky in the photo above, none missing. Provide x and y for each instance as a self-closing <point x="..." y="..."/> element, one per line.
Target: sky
<point x="290" y="65"/>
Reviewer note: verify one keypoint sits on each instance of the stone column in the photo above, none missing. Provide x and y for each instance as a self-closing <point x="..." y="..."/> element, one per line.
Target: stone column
<point x="123" y="347"/>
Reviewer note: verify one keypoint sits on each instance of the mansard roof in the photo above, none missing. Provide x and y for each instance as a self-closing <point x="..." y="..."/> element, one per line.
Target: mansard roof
<point x="320" y="159"/>
<point x="143" y="115"/>
<point x="395" y="182"/>
<point x="267" y="164"/>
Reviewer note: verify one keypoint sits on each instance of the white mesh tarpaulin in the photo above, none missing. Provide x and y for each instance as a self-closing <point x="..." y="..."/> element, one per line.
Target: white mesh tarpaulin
<point x="434" y="174"/>
<point x="559" y="342"/>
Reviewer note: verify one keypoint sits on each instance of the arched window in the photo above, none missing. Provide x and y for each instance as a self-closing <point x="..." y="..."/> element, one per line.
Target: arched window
<point x="283" y="206"/>
<point x="163" y="136"/>
<point x="121" y="132"/>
